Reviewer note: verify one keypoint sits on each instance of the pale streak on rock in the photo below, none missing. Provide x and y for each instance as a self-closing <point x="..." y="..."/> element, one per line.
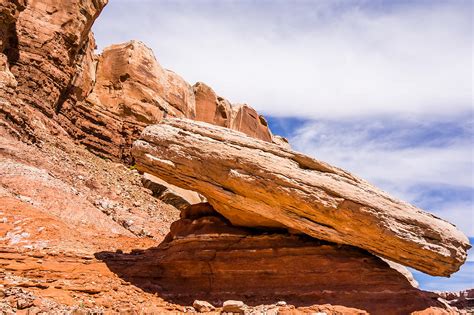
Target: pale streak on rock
<point x="259" y="184"/>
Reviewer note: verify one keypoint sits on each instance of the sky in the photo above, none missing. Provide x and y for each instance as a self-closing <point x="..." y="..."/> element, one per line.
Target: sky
<point x="380" y="88"/>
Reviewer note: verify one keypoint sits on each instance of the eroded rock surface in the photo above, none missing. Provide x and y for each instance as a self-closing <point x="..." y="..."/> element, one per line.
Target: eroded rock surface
<point x="258" y="184"/>
<point x="204" y="257"/>
<point x="53" y="83"/>
<point x="171" y="194"/>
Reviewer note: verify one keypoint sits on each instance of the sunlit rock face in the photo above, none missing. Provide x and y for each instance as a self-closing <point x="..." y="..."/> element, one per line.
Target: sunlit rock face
<point x="255" y="183"/>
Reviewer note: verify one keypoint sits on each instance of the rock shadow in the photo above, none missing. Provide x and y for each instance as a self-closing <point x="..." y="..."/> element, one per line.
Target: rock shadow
<point x="267" y="269"/>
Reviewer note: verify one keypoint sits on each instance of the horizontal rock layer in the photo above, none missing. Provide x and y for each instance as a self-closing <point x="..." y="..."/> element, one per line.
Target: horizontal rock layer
<point x="203" y="257"/>
<point x="259" y="184"/>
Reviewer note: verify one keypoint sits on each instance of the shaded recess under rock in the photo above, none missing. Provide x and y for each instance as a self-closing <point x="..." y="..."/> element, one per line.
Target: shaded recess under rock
<point x="205" y="257"/>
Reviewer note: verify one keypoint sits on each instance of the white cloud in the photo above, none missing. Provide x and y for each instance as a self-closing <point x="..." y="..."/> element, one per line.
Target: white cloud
<point x="310" y="59"/>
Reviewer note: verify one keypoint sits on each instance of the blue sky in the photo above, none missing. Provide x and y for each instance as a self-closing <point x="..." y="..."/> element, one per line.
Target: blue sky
<point x="380" y="88"/>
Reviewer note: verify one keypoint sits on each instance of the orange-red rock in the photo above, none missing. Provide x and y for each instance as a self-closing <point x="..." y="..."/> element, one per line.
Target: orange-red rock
<point x="209" y="107"/>
<point x="119" y="92"/>
<point x="205" y="258"/>
<point x="247" y="120"/>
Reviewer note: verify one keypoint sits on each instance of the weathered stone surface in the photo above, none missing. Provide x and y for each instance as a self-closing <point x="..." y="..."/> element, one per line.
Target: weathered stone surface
<point x="462" y="300"/>
<point x="116" y="94"/>
<point x="218" y="111"/>
<point x="254" y="183"/>
<point x="232" y="306"/>
<point x="131" y="82"/>
<point x="51" y="81"/>
<point x="50" y="37"/>
<point x="247" y="120"/>
<point x="44" y="45"/>
<point x="208" y="259"/>
<point x="209" y="108"/>
<point x="171" y="194"/>
<point x="203" y="306"/>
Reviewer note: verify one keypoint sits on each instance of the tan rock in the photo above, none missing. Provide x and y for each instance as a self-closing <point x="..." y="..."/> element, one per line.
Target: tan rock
<point x="235" y="307"/>
<point x="131" y="82"/>
<point x="203" y="306"/>
<point x="254" y="183"/>
<point x="171" y="194"/>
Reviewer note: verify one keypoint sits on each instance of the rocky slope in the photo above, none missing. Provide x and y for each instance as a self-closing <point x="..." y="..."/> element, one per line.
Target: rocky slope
<point x="82" y="231"/>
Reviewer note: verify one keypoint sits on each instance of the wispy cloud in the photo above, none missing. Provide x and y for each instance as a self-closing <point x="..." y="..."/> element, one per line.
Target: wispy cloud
<point x="320" y="59"/>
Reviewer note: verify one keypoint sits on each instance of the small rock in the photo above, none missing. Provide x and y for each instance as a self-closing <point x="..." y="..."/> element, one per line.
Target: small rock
<point x="231" y="306"/>
<point x="23" y="303"/>
<point x="203" y="306"/>
<point x="281" y="303"/>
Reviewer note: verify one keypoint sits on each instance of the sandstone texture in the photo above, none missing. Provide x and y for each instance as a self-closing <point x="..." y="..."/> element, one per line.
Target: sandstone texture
<point x="258" y="184"/>
<point x="82" y="231"/>
<point x="171" y="194"/>
<point x="43" y="44"/>
<point x="204" y="257"/>
<point x="118" y="93"/>
<point x="103" y="101"/>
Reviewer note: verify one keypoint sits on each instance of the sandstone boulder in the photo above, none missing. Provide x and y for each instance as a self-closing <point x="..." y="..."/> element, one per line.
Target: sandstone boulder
<point x="258" y="184"/>
<point x="203" y="306"/>
<point x="234" y="307"/>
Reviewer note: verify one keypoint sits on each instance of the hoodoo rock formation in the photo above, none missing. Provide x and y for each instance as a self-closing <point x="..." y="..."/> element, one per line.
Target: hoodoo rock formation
<point x="259" y="184"/>
<point x="82" y="230"/>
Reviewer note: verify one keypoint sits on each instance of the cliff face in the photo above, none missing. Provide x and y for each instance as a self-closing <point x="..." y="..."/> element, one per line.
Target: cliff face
<point x="44" y="44"/>
<point x="56" y="84"/>
<point x="124" y="89"/>
<point x="80" y="231"/>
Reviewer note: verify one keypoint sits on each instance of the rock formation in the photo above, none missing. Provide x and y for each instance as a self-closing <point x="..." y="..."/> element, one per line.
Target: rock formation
<point x="124" y="89"/>
<point x="204" y="257"/>
<point x="170" y="194"/>
<point x="259" y="184"/>
<point x="78" y="231"/>
<point x="103" y="101"/>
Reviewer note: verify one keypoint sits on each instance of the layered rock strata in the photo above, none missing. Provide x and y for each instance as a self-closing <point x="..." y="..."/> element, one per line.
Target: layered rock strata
<point x="124" y="89"/>
<point x="45" y="43"/>
<point x="258" y="184"/>
<point x="205" y="257"/>
<point x="52" y="82"/>
<point x="170" y="194"/>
